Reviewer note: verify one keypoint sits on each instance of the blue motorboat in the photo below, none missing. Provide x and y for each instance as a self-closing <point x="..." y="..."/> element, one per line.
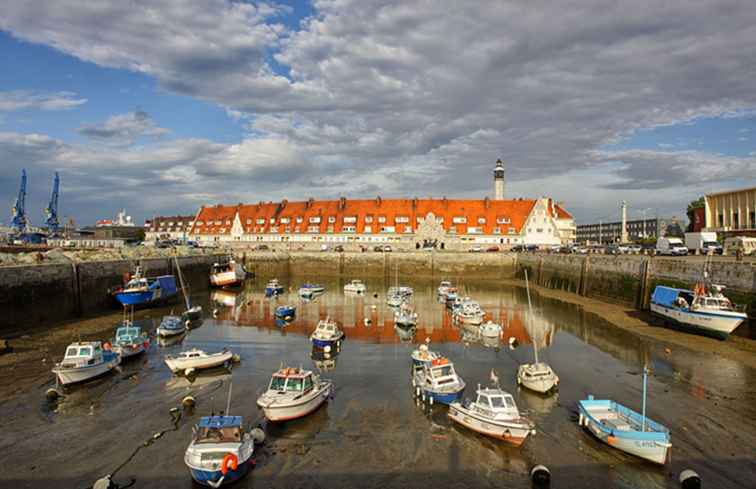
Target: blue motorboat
<point x="273" y="288"/>
<point x="130" y="340"/>
<point x="437" y="382"/>
<point x="624" y="429"/>
<point x="220" y="451"/>
<point x="326" y="333"/>
<point x="146" y="291"/>
<point x="308" y="291"/>
<point x="171" y="326"/>
<point x="286" y="312"/>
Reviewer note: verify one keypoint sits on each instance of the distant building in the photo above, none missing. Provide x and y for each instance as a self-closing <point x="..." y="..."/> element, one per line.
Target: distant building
<point x="699" y="219"/>
<point x="731" y="213"/>
<point x="168" y="227"/>
<point x="637" y="230"/>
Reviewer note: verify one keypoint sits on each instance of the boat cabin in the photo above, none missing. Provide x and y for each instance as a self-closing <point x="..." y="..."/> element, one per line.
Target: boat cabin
<point x="219" y="429"/>
<point x="291" y="380"/>
<point x="171" y="322"/>
<point x="326" y="329"/>
<point x="356" y="283"/>
<point x="127" y="334"/>
<point x="536" y="370"/>
<point x="83" y="353"/>
<point x="186" y="355"/>
<point x="440" y="372"/>
<point x="136" y="284"/>
<point x="495" y="401"/>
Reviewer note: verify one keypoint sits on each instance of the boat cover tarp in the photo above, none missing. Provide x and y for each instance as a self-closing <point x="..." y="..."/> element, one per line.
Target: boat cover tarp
<point x="167" y="284"/>
<point x="220" y="421"/>
<point x="665" y="295"/>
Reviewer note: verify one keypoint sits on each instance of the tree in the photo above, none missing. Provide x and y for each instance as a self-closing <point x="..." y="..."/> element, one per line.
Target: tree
<point x="696" y="204"/>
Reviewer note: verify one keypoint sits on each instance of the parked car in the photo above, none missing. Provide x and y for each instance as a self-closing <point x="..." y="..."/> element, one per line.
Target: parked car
<point x="338" y="248"/>
<point x="634" y="249"/>
<point x="476" y="249"/>
<point x="531" y="247"/>
<point x="518" y="248"/>
<point x="580" y="250"/>
<point x="387" y="248"/>
<point x="378" y="248"/>
<point x="554" y="248"/>
<point x="492" y="249"/>
<point x="612" y="250"/>
<point x="262" y="247"/>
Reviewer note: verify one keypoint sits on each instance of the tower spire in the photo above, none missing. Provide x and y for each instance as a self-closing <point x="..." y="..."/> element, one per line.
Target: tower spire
<point x="499" y="180"/>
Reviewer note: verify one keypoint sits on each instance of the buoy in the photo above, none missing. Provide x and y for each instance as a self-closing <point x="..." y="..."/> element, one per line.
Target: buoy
<point x="188" y="401"/>
<point x="187" y="323"/>
<point x="190" y="374"/>
<point x="690" y="480"/>
<point x="540" y="476"/>
<point x="52" y="394"/>
<point x="258" y="435"/>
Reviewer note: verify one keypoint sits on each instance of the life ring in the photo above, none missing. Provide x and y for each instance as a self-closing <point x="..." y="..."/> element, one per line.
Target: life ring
<point x="229" y="459"/>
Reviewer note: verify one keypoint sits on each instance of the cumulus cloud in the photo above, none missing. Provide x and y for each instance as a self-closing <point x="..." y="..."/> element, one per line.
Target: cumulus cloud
<point x="29" y="99"/>
<point x="411" y="97"/>
<point x="124" y="128"/>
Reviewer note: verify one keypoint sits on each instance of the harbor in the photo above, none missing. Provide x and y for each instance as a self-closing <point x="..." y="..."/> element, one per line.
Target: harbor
<point x="706" y="400"/>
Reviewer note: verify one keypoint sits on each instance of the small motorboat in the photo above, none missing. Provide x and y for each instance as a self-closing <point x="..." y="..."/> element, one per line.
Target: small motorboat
<point x="437" y="381"/>
<point x="197" y="359"/>
<point x="171" y="326"/>
<point x="194" y="313"/>
<point x="489" y="329"/>
<point x="85" y="360"/>
<point x="470" y="312"/>
<point x="704" y="310"/>
<point x="293" y="393"/>
<point x="495" y="414"/>
<point x="227" y="273"/>
<point x="355" y="287"/>
<point x="143" y="291"/>
<point x="308" y="291"/>
<point x="405" y="317"/>
<point x="286" y="312"/>
<point x="626" y="430"/>
<point x="129" y="341"/>
<point x="443" y="288"/>
<point x="220" y="451"/>
<point x="423" y="355"/>
<point x="273" y="288"/>
<point x="326" y="333"/>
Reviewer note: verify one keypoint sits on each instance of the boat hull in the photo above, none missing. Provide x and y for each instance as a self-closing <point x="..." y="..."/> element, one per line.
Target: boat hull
<point x="69" y="376"/>
<point x="651" y="446"/>
<point x="323" y="343"/>
<point x="541" y="384"/>
<point x="271" y="291"/>
<point x="145" y="298"/>
<point x="718" y="325"/>
<point x="179" y="365"/>
<point x="286" y="412"/>
<point x="165" y="332"/>
<point x="443" y="397"/>
<point x="226" y="279"/>
<point x="511" y="432"/>
<point x="210" y="478"/>
<point x="131" y="350"/>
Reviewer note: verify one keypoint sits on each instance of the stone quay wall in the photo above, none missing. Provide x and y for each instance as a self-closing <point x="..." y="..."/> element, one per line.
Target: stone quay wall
<point x="48" y="293"/>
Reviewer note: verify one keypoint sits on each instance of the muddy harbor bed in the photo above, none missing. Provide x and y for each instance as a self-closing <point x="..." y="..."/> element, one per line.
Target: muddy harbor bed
<point x="373" y="433"/>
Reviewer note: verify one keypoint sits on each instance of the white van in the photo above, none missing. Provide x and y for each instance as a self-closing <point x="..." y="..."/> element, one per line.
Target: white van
<point x="671" y="246"/>
<point x="748" y="245"/>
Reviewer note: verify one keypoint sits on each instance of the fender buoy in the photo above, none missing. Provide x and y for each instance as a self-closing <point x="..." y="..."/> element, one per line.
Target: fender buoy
<point x="229" y="459"/>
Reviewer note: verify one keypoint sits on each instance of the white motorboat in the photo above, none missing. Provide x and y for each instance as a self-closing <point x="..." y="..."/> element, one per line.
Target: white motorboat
<point x="443" y="288"/>
<point x="326" y="333"/>
<point x="489" y="329"/>
<point x="85" y="360"/>
<point x="495" y="414"/>
<point x="308" y="291"/>
<point x="704" y="310"/>
<point x="227" y="273"/>
<point x="293" y="393"/>
<point x="423" y="355"/>
<point x="536" y="376"/>
<point x="355" y="287"/>
<point x="171" y="326"/>
<point x="197" y="359"/>
<point x="395" y="300"/>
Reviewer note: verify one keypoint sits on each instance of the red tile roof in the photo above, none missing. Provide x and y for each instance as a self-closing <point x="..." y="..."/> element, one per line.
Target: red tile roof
<point x="283" y="217"/>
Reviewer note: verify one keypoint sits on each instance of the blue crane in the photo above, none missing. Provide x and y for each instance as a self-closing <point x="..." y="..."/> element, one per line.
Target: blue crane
<point x="19" y="222"/>
<point x="51" y="211"/>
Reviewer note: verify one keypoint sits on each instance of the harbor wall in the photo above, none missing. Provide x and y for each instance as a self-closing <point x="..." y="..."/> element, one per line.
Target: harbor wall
<point x="46" y="293"/>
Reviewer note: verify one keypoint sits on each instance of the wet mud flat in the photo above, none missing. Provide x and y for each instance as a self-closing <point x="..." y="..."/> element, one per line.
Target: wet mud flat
<point x="374" y="433"/>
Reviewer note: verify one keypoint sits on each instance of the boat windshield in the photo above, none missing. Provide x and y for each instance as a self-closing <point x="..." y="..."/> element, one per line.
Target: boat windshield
<point x="294" y="384"/>
<point x="85" y="351"/>
<point x="72" y="352"/>
<point x="277" y="383"/>
<point x="443" y="371"/>
<point x="126" y="333"/>
<point x="723" y="304"/>
<point x="502" y="401"/>
<point x="219" y="435"/>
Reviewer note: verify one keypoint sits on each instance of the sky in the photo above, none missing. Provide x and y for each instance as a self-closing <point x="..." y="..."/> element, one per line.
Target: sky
<point x="161" y="106"/>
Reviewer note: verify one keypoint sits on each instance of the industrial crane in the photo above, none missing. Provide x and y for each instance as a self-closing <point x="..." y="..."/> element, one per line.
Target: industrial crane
<point x="19" y="222"/>
<point x="51" y="211"/>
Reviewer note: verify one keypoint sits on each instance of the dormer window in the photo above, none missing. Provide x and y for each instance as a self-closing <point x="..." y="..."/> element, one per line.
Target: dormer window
<point x="299" y="220"/>
<point x="315" y="220"/>
<point x="481" y="220"/>
<point x="381" y="219"/>
<point x="260" y="221"/>
<point x="402" y="219"/>
<point x="368" y="219"/>
<point x="331" y="219"/>
<point x="459" y="220"/>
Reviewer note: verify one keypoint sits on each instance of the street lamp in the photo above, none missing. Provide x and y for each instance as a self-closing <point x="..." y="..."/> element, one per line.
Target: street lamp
<point x="644" y="219"/>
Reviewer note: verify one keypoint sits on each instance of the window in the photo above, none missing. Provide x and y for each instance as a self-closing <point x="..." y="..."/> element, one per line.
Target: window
<point x="218" y="223"/>
<point x="387" y="229"/>
<point x="402" y="219"/>
<point x="512" y="231"/>
<point x="368" y="219"/>
<point x="381" y="219"/>
<point x="368" y="229"/>
<point x="481" y="220"/>
<point x="260" y="221"/>
<point x="348" y="229"/>
<point x="285" y="220"/>
<point x="314" y="220"/>
<point x="200" y="223"/>
<point x="497" y="230"/>
<point x="71" y="352"/>
<point x="313" y="229"/>
<point x="350" y="219"/>
<point x="331" y="219"/>
<point x="474" y="230"/>
<point x="299" y="220"/>
<point x="735" y="220"/>
<point x="459" y="220"/>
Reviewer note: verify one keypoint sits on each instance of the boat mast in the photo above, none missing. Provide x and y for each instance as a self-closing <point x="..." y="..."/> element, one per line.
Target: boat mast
<point x="530" y="307"/>
<point x="183" y="287"/>
<point x="645" y="381"/>
<point x="228" y="401"/>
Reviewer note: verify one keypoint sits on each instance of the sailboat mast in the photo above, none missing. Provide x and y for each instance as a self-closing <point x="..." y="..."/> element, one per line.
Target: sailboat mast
<point x="181" y="281"/>
<point x="228" y="401"/>
<point x="645" y="382"/>
<point x="530" y="307"/>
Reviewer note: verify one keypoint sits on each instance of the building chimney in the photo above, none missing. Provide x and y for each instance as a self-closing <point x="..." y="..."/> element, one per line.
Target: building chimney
<point x="342" y="203"/>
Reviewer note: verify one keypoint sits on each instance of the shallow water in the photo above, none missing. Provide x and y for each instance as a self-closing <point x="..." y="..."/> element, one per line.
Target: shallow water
<point x="374" y="433"/>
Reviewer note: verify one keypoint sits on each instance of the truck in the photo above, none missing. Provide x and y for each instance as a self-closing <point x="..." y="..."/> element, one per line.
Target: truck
<point x="671" y="246"/>
<point x="702" y="242"/>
